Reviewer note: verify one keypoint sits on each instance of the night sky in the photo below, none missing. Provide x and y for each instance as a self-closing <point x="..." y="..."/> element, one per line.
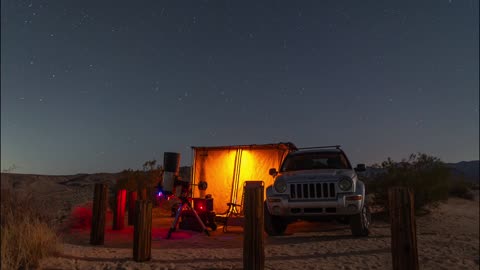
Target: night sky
<point x="101" y="86"/>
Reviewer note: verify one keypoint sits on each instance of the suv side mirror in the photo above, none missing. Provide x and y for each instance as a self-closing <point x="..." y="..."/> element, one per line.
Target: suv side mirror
<point x="360" y="168"/>
<point x="272" y="172"/>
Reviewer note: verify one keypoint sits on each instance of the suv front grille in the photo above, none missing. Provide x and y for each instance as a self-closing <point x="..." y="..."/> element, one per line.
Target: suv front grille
<point x="312" y="191"/>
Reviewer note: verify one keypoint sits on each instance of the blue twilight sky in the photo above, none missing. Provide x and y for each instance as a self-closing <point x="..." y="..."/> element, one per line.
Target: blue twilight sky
<point x="100" y="86"/>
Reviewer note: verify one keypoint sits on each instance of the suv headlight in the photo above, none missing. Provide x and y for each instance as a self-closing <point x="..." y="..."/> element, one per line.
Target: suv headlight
<point x="345" y="184"/>
<point x="280" y="186"/>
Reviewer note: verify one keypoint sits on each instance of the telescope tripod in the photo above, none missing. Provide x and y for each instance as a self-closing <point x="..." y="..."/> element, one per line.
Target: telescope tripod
<point x="185" y="203"/>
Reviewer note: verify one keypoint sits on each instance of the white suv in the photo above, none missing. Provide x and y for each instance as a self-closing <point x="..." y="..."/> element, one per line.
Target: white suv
<point x="316" y="183"/>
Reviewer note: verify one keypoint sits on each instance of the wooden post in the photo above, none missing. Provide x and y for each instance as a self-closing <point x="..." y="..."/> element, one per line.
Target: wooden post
<point x="403" y="229"/>
<point x="142" y="231"/>
<point x="119" y="213"/>
<point x="253" y="246"/>
<point x="132" y="198"/>
<point x="142" y="194"/>
<point x="100" y="202"/>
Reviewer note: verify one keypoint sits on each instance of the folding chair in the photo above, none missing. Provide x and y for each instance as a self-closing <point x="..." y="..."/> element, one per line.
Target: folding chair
<point x="234" y="217"/>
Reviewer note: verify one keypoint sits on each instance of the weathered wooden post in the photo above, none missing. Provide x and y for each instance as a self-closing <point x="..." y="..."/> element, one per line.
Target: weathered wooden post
<point x="119" y="213"/>
<point x="142" y="194"/>
<point x="100" y="202"/>
<point x="253" y="246"/>
<point x="132" y="198"/>
<point x="403" y="229"/>
<point x="142" y="231"/>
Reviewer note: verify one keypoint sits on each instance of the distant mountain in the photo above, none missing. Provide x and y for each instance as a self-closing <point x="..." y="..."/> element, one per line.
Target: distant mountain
<point x="469" y="170"/>
<point x="60" y="182"/>
<point x="55" y="182"/>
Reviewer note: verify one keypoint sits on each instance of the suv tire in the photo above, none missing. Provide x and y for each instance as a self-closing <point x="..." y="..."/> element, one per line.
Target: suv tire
<point x="360" y="223"/>
<point x="274" y="225"/>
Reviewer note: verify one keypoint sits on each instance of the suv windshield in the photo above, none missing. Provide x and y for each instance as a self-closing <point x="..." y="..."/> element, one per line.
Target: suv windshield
<point x="314" y="161"/>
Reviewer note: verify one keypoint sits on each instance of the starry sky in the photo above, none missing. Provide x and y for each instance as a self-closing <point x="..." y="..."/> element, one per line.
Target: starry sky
<point x="101" y="86"/>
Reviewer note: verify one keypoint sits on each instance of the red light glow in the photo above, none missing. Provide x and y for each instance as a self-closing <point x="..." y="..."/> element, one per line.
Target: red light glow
<point x="81" y="217"/>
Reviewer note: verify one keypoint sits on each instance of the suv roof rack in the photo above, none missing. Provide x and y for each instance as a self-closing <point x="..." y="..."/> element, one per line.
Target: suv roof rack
<point x="318" y="147"/>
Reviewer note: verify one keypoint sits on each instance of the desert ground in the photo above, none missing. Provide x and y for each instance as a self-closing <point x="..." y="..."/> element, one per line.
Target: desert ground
<point x="448" y="237"/>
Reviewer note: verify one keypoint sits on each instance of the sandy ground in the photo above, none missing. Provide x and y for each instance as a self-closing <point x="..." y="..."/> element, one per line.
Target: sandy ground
<point x="448" y="238"/>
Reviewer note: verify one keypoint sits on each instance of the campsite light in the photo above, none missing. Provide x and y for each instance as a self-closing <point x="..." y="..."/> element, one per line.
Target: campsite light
<point x="199" y="206"/>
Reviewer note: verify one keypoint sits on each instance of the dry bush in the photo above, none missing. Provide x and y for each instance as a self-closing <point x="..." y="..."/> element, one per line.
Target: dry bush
<point x="462" y="189"/>
<point x="27" y="234"/>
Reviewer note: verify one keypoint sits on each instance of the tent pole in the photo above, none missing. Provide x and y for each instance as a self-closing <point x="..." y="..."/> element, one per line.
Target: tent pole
<point x="237" y="180"/>
<point x="235" y="171"/>
<point x="192" y="173"/>
<point x="234" y="179"/>
<point x="238" y="175"/>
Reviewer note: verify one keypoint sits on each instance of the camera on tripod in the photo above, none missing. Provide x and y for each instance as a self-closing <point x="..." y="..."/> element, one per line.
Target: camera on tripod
<point x="192" y="218"/>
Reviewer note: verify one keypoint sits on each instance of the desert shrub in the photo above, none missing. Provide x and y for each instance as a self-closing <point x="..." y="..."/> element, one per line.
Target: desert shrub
<point x="427" y="176"/>
<point x="137" y="180"/>
<point x="460" y="188"/>
<point x="27" y="234"/>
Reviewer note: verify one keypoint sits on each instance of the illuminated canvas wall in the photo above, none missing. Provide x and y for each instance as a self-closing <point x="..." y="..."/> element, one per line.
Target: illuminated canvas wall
<point x="217" y="166"/>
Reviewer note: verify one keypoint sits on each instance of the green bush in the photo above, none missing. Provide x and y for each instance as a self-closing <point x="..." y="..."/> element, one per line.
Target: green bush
<point x="427" y="176"/>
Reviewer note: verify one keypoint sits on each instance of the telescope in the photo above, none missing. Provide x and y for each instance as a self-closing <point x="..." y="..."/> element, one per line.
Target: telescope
<point x="172" y="184"/>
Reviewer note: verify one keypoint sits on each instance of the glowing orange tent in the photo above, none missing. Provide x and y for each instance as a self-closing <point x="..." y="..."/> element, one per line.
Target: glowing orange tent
<point x="226" y="168"/>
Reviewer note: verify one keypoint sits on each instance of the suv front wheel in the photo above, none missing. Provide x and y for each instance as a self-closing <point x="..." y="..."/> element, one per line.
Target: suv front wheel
<point x="360" y="223"/>
<point x="274" y="225"/>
